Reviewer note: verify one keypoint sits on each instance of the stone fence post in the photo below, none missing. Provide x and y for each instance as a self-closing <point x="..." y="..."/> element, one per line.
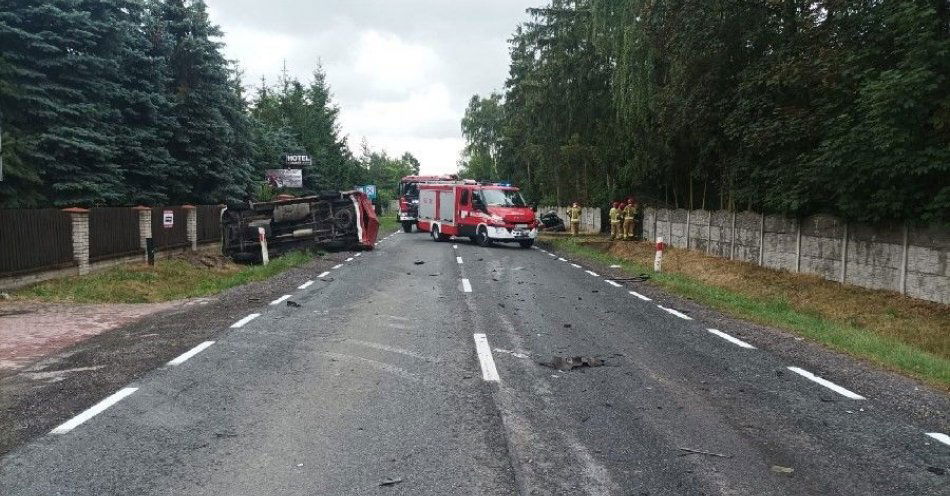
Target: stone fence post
<point x="192" y="214"/>
<point x="80" y="235"/>
<point x="145" y="227"/>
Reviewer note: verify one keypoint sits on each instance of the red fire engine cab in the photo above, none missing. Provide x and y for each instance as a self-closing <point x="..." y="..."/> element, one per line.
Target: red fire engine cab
<point x="484" y="212"/>
<point x="409" y="197"/>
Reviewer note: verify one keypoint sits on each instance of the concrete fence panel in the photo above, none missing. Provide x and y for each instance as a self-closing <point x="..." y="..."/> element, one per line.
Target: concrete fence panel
<point x="910" y="260"/>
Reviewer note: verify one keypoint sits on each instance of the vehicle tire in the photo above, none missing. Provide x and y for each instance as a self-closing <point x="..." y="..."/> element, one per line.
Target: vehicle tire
<point x="434" y="231"/>
<point x="407" y="226"/>
<point x="481" y="237"/>
<point x="526" y="243"/>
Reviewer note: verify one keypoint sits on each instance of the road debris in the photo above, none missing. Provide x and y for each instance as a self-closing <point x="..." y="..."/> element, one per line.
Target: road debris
<point x="778" y="469"/>
<point x="936" y="470"/>
<point x="418" y="262"/>
<point x="690" y="451"/>
<point x="639" y="278"/>
<point x="389" y="481"/>
<point x="571" y="363"/>
<point x="293" y="304"/>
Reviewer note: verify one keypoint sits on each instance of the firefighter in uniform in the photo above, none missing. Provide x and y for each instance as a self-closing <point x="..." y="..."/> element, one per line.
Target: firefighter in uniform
<point x="574" y="216"/>
<point x="615" y="214"/>
<point x="629" y="212"/>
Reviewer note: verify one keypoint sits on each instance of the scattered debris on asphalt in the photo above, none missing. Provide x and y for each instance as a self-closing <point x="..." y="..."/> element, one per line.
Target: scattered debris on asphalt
<point x="389" y="481"/>
<point x="567" y="326"/>
<point x="639" y="278"/>
<point x="293" y="304"/>
<point x="778" y="469"/>
<point x="418" y="262"/>
<point x="512" y="353"/>
<point x="936" y="470"/>
<point x="571" y="363"/>
<point x="690" y="451"/>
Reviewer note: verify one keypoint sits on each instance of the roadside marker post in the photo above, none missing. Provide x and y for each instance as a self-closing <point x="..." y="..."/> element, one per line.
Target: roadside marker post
<point x="265" y="257"/>
<point x="658" y="260"/>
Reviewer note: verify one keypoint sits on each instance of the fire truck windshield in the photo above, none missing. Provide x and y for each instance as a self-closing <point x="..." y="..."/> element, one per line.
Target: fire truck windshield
<point x="502" y="198"/>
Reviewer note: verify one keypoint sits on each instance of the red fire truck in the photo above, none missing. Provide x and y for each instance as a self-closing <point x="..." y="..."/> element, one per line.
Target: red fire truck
<point x="484" y="212"/>
<point x="409" y="197"/>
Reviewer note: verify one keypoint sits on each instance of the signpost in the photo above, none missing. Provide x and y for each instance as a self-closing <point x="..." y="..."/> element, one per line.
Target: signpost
<point x="369" y="190"/>
<point x="168" y="219"/>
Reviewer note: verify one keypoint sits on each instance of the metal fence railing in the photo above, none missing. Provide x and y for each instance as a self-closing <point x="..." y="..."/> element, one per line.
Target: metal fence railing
<point x="34" y="239"/>
<point x="113" y="232"/>
<point x="175" y="236"/>
<point x="209" y="223"/>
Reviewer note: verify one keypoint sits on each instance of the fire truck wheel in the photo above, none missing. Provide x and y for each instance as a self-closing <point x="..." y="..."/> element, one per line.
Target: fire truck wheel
<point x="437" y="236"/>
<point x="407" y="226"/>
<point x="526" y="243"/>
<point x="481" y="237"/>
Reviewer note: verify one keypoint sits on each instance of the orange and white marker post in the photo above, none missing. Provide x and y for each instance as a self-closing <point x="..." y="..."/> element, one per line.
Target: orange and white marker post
<point x="658" y="260"/>
<point x="262" y="236"/>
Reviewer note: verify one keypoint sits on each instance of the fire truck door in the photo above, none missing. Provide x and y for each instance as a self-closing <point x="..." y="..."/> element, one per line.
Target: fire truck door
<point x="447" y="206"/>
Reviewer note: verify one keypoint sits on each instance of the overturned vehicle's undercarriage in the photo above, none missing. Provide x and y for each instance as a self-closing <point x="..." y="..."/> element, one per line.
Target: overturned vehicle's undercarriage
<point x="331" y="220"/>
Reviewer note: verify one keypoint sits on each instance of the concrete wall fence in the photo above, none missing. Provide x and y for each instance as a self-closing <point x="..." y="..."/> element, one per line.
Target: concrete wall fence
<point x="41" y="244"/>
<point x="912" y="260"/>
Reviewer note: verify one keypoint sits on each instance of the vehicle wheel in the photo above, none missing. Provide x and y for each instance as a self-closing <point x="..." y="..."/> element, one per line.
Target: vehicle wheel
<point x="481" y="237"/>
<point x="526" y="243"/>
<point x="407" y="226"/>
<point x="434" y="231"/>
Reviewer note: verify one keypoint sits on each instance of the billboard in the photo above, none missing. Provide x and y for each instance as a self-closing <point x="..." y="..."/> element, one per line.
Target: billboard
<point x="289" y="160"/>
<point x="284" y="178"/>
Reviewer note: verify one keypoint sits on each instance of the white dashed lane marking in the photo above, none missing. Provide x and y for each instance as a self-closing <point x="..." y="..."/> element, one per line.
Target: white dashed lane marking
<point x="349" y="259"/>
<point x="245" y="320"/>
<point x="638" y="295"/>
<point x="675" y="312"/>
<point x="458" y="260"/>
<point x="612" y="283"/>
<point x="489" y="372"/>
<point x="190" y="353"/>
<point x="455" y="247"/>
<point x="280" y="300"/>
<point x="939" y="436"/>
<point x="466" y="286"/>
<point x="93" y="411"/>
<point x="575" y="266"/>
<point x="357" y="255"/>
<point x="306" y="284"/>
<point x="323" y="274"/>
<point x="592" y="273"/>
<point x="735" y="341"/>
<point x="828" y="384"/>
<point x="562" y="259"/>
<point x="337" y="266"/>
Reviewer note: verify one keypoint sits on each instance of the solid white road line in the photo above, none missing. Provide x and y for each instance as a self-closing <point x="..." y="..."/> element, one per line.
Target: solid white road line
<point x="280" y="300"/>
<point x="735" y="341"/>
<point x="466" y="286"/>
<point x="337" y="266"/>
<point x="676" y="313"/>
<point x="828" y="384"/>
<point x="306" y="284"/>
<point x="349" y="259"/>
<point x="245" y="320"/>
<point x="612" y="283"/>
<point x="190" y="353"/>
<point x="592" y="273"/>
<point x="939" y="436"/>
<point x="458" y="260"/>
<point x="575" y="266"/>
<point x="93" y="411"/>
<point x="489" y="372"/>
<point x="638" y="295"/>
<point x="323" y="274"/>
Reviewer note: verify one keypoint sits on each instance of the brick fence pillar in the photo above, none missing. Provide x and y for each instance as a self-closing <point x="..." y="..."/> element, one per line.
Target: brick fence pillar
<point x="80" y="233"/>
<point x="145" y="226"/>
<point x="192" y="225"/>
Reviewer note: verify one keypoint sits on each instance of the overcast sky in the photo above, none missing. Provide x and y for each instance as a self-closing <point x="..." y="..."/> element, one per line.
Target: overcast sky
<point x="402" y="71"/>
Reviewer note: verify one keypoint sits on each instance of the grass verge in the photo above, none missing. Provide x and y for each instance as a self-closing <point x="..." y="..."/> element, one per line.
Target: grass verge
<point x="387" y="223"/>
<point x="171" y="279"/>
<point x="901" y="334"/>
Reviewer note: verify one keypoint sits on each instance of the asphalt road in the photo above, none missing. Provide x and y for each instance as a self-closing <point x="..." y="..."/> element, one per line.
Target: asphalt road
<point x="385" y="376"/>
